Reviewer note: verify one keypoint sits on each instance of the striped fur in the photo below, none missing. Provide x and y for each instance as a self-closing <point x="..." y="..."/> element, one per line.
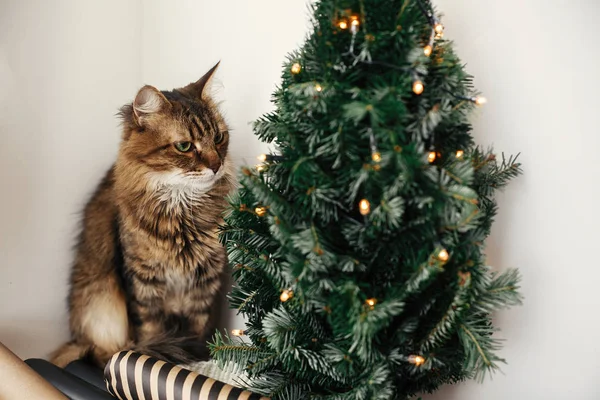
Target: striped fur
<point x="149" y="264"/>
<point x="133" y="376"/>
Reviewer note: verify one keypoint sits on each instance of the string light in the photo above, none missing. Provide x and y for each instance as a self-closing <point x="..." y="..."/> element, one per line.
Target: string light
<point x="371" y="303"/>
<point x="354" y="23"/>
<point x="261" y="168"/>
<point x="296" y="68"/>
<point x="427" y="50"/>
<point x="443" y="255"/>
<point x="375" y="154"/>
<point x="262" y="158"/>
<point x="479" y="100"/>
<point x="343" y="24"/>
<point x="318" y="87"/>
<point x="286" y="295"/>
<point x="260" y="211"/>
<point x="364" y="207"/>
<point x="416" y="360"/>
<point x="431" y="156"/>
<point x="439" y="30"/>
<point x="460" y="154"/>
<point x="418" y="87"/>
<point x="237" y="332"/>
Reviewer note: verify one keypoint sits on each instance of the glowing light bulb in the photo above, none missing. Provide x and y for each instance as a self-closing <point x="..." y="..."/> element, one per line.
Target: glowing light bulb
<point x="479" y="100"/>
<point x="443" y="255"/>
<point x="260" y="211"/>
<point x="237" y="332"/>
<point x="318" y="88"/>
<point x="343" y="24"/>
<point x="286" y="295"/>
<point x="364" y="207"/>
<point x="260" y="168"/>
<point x="296" y="68"/>
<point x="416" y="360"/>
<point x="376" y="156"/>
<point x="427" y="50"/>
<point x="371" y="303"/>
<point x="438" y="28"/>
<point x="460" y="154"/>
<point x="262" y="158"/>
<point x="418" y="87"/>
<point x="431" y="156"/>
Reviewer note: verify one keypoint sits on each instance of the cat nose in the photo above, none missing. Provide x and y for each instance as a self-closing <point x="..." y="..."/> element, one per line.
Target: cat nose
<point x="212" y="160"/>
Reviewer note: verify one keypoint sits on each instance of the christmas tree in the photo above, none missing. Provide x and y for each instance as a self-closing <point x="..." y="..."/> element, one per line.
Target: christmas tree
<point x="358" y="245"/>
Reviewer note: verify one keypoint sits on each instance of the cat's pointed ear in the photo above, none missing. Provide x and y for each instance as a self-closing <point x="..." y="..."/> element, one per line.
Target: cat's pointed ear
<point x="149" y="100"/>
<point x="201" y="87"/>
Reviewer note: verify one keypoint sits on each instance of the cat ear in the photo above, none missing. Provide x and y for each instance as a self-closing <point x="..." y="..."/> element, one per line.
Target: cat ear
<point x="148" y="101"/>
<point x="201" y="87"/>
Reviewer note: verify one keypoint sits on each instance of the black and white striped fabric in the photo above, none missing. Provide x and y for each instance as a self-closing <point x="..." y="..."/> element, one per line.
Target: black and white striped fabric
<point x="132" y="376"/>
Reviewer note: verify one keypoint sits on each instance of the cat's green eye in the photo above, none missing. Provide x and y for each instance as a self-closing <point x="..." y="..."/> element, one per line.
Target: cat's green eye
<point x="219" y="137"/>
<point x="183" y="147"/>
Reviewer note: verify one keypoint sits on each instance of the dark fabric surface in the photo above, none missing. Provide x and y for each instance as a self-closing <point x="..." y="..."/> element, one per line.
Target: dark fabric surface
<point x="72" y="386"/>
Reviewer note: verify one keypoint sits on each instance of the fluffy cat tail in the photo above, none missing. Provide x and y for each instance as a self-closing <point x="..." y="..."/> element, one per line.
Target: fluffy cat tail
<point x="174" y="349"/>
<point x="167" y="347"/>
<point x="70" y="352"/>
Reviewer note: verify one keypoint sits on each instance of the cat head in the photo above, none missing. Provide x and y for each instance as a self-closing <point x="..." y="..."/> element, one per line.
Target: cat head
<point x="175" y="138"/>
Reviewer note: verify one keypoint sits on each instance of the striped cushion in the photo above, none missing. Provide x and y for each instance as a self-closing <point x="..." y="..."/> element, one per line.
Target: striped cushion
<point x="131" y="376"/>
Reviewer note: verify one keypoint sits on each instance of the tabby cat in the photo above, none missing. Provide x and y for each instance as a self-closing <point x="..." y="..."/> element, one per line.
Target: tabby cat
<point x="149" y="264"/>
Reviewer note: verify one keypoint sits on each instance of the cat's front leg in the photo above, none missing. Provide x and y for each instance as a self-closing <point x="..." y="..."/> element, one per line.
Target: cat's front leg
<point x="148" y="307"/>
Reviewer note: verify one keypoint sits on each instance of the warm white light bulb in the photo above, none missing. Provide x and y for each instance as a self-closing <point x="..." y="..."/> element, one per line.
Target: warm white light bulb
<point x="416" y="360"/>
<point x="364" y="207"/>
<point x="479" y="100"/>
<point x="418" y="87"/>
<point x="443" y="255"/>
<point x="286" y="295"/>
<point x="431" y="156"/>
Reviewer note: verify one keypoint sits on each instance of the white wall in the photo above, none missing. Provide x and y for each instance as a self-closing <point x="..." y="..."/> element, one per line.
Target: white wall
<point x="65" y="68"/>
<point x="536" y="61"/>
<point x="537" y="65"/>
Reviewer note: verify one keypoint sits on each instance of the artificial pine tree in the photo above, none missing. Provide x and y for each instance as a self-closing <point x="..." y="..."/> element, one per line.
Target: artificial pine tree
<point x="358" y="245"/>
